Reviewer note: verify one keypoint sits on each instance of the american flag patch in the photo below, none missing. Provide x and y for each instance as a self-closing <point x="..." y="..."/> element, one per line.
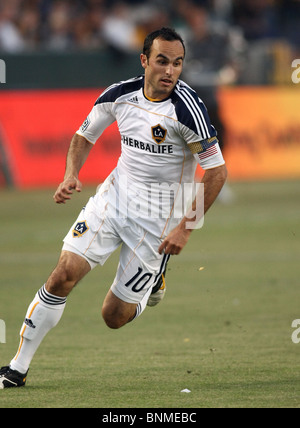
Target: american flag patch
<point x="208" y="152"/>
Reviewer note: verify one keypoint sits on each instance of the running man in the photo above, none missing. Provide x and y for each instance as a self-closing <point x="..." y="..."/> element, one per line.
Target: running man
<point x="165" y="132"/>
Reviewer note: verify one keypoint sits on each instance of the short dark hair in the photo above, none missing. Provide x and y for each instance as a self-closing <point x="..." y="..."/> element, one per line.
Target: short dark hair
<point x="164" y="33"/>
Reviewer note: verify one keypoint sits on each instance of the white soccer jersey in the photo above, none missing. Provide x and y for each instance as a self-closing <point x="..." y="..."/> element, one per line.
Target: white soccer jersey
<point x="161" y="145"/>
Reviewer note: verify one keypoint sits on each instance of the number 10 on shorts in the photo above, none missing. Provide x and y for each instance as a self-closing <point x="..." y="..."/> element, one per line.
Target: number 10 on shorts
<point x="138" y="282"/>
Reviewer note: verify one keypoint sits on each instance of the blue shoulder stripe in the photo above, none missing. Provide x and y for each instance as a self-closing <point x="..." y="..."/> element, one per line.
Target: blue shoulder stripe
<point x="191" y="111"/>
<point x="118" y="89"/>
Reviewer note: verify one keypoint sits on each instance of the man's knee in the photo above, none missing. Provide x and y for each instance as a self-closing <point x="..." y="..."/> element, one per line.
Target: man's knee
<point x="114" y="318"/>
<point x="112" y="321"/>
<point x="69" y="270"/>
<point x="117" y="313"/>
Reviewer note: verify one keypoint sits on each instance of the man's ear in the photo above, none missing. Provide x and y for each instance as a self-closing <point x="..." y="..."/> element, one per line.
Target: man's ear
<point x="144" y="60"/>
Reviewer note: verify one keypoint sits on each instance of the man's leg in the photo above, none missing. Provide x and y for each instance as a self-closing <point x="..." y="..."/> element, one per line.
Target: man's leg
<point x="47" y="307"/>
<point x="116" y="312"/>
<point x="71" y="268"/>
<point x="131" y="289"/>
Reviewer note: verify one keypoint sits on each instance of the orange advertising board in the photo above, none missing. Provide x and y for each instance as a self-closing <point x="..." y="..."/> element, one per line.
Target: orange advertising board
<point x="36" y="128"/>
<point x="262" y="139"/>
<point x="262" y="131"/>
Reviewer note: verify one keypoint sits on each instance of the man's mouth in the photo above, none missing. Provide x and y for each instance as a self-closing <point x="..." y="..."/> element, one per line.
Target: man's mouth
<point x="167" y="81"/>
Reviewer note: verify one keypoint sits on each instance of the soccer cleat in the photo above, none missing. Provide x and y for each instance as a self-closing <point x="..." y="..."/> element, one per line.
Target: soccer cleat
<point x="158" y="292"/>
<point x="11" y="378"/>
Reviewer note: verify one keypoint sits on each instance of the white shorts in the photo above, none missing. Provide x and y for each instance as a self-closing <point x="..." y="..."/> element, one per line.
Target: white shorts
<point x="95" y="235"/>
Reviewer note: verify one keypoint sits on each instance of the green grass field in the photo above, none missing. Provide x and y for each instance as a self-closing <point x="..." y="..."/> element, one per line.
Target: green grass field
<point x="223" y="332"/>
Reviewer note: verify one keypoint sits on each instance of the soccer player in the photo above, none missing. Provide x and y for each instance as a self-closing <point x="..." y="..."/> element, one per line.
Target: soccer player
<point x="165" y="132"/>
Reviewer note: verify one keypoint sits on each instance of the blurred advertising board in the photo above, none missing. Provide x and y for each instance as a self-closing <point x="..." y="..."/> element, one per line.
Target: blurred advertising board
<point x="36" y="126"/>
<point x="262" y="132"/>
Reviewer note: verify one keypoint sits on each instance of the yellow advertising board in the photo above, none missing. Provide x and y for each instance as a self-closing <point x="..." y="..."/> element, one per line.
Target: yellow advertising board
<point x="262" y="131"/>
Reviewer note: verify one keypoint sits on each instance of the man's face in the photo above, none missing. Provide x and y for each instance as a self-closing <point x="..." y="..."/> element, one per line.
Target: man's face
<point x="162" y="68"/>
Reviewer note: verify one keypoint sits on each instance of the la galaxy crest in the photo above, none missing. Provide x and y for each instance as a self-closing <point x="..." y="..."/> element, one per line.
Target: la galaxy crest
<point x="80" y="228"/>
<point x="158" y="133"/>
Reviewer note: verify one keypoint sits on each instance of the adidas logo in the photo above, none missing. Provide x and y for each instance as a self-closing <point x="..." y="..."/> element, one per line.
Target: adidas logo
<point x="133" y="100"/>
<point x="29" y="323"/>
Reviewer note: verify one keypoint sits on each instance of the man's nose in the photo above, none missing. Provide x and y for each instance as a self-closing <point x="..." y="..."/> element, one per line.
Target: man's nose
<point x="169" y="70"/>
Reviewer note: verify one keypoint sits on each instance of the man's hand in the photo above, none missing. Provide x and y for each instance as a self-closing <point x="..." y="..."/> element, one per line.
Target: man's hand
<point x="175" y="241"/>
<point x="65" y="190"/>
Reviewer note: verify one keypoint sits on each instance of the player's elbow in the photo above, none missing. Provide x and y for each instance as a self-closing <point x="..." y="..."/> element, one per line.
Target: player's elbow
<point x="223" y="173"/>
<point x="218" y="174"/>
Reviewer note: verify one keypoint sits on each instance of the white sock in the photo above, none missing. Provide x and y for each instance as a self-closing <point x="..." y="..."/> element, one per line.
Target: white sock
<point x="43" y="313"/>
<point x="142" y="305"/>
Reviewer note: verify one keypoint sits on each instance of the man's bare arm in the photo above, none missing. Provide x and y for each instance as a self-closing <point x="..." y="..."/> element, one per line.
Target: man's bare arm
<point x="78" y="152"/>
<point x="213" y="181"/>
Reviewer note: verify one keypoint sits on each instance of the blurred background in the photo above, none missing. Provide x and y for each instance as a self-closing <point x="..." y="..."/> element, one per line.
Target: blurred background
<point x="60" y="54"/>
<point x="236" y="284"/>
